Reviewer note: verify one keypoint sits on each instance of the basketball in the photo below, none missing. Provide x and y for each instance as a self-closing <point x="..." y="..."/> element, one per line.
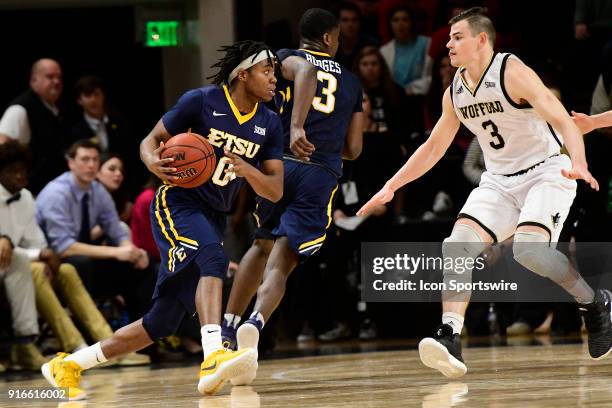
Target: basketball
<point x="194" y="159"/>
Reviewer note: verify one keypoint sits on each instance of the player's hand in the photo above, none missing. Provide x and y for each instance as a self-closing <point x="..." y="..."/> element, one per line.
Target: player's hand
<point x="381" y="198"/>
<point x="237" y="166"/>
<point x="6" y="253"/>
<point x="299" y="145"/>
<point x="584" y="122"/>
<point x="581" y="173"/>
<point x="160" y="167"/>
<point x="53" y="260"/>
<point x="379" y="210"/>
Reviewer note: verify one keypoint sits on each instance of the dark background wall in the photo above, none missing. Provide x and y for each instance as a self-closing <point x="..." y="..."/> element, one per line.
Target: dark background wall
<point x="99" y="41"/>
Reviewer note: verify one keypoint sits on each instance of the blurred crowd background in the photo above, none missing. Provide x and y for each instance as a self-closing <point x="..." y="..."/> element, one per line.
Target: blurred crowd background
<point x="84" y="82"/>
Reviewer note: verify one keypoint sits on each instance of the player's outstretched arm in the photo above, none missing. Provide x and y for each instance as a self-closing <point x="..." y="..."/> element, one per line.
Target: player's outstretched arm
<point x="267" y="182"/>
<point x="304" y="77"/>
<point x="588" y="123"/>
<point x="354" y="137"/>
<point x="423" y="159"/>
<point x="151" y="148"/>
<point x="522" y="83"/>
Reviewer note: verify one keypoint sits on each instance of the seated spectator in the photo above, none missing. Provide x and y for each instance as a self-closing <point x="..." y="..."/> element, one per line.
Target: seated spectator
<point x="442" y="76"/>
<point x="111" y="176"/>
<point x="440" y="37"/>
<point x="388" y="102"/>
<point x="426" y="11"/>
<point x="35" y="120"/>
<point x="369" y="16"/>
<point x="352" y="39"/>
<point x="106" y="128"/>
<point x="361" y="179"/>
<point x="49" y="274"/>
<point x="406" y="53"/>
<point x="392" y="121"/>
<point x="140" y="225"/>
<point x="15" y="269"/>
<point x="67" y="208"/>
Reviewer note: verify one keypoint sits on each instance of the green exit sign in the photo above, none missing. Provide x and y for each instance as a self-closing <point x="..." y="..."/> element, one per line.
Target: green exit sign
<point x="162" y="33"/>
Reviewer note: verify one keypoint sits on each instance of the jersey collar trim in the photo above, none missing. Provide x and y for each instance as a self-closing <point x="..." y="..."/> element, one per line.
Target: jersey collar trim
<point x="239" y="116"/>
<point x="322" y="54"/>
<point x="484" y="72"/>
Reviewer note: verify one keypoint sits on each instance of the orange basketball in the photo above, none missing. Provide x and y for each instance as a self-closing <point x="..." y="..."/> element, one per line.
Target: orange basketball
<point x="194" y="159"/>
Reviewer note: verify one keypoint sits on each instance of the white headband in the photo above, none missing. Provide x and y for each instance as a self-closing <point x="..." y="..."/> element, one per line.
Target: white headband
<point x="248" y="62"/>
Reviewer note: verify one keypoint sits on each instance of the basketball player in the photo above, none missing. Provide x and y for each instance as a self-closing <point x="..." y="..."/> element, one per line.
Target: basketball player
<point x="526" y="191"/>
<point x="588" y="123"/>
<point x="319" y="102"/>
<point x="188" y="223"/>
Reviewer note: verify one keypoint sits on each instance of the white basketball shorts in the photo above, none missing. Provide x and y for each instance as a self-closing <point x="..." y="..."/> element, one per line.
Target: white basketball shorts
<point x="540" y="197"/>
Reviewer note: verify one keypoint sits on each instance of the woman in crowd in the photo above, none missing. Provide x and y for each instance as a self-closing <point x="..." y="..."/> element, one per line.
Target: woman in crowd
<point x="406" y="54"/>
<point x="111" y="175"/>
<point x="391" y="122"/>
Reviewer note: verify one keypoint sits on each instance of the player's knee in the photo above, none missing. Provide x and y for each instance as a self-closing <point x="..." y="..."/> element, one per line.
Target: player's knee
<point x="159" y="323"/>
<point x="263" y="246"/>
<point x="532" y="250"/>
<point x="463" y="240"/>
<point x="212" y="261"/>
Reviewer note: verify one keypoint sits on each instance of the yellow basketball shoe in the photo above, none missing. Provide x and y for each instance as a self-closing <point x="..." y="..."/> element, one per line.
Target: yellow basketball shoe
<point x="223" y="365"/>
<point x="64" y="374"/>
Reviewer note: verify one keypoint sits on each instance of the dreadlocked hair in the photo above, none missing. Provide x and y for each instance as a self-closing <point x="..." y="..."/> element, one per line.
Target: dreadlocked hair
<point x="235" y="54"/>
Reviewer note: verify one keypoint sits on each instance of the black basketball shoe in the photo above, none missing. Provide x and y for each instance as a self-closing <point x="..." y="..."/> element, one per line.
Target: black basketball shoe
<point x="443" y="352"/>
<point x="598" y="321"/>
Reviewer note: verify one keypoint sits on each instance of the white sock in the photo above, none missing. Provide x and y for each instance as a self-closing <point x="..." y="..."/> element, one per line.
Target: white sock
<point x="257" y="316"/>
<point x="81" y="346"/>
<point x="232" y="320"/>
<point x="211" y="339"/>
<point x="454" y="320"/>
<point x="88" y="357"/>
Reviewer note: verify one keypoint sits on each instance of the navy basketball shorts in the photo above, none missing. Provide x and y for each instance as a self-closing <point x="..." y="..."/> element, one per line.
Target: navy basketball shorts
<point x="305" y="211"/>
<point x="189" y="237"/>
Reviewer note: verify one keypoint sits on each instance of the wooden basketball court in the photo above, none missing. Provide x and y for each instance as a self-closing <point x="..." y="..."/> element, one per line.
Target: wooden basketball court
<point x="513" y="376"/>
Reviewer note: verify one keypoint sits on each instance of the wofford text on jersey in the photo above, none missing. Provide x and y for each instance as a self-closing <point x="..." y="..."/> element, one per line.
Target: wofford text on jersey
<point x="481" y="108"/>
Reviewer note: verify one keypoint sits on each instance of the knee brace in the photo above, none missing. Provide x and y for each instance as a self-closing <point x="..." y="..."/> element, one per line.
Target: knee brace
<point x="532" y="250"/>
<point x="164" y="317"/>
<point x="212" y="261"/>
<point x="464" y="243"/>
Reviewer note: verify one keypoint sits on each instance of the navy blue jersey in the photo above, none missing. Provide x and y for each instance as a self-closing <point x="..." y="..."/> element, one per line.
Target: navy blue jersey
<point x="255" y="137"/>
<point x="338" y="96"/>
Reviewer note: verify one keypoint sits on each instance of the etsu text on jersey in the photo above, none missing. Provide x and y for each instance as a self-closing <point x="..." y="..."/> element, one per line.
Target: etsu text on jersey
<point x="233" y="143"/>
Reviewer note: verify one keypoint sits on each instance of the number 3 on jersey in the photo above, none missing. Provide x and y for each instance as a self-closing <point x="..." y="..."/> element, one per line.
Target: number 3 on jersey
<point x="330" y="84"/>
<point x="498" y="142"/>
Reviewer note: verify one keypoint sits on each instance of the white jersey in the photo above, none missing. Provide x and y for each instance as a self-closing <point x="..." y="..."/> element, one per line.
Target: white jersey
<point x="512" y="137"/>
